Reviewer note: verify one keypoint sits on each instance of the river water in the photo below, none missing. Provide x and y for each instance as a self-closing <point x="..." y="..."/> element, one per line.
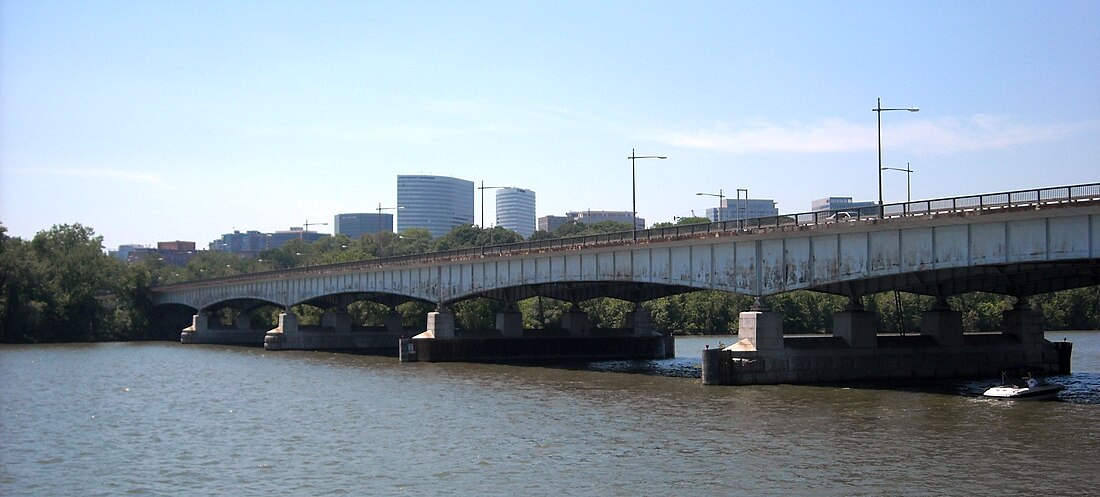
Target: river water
<point x="172" y="419"/>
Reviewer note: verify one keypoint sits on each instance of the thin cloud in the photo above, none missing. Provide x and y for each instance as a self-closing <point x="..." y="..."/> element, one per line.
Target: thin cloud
<point x="979" y="132"/>
<point x="94" y="173"/>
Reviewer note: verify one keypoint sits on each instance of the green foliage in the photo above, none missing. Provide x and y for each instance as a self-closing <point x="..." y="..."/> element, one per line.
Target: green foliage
<point x="703" y="312"/>
<point x="581" y="229"/>
<point x="605" y="312"/>
<point x="477" y="313"/>
<point x="62" y="287"/>
<point x="470" y="236"/>
<point x="681" y="221"/>
<point x="1076" y="309"/>
<point x="981" y="311"/>
<point x="542" y="312"/>
<point x="805" y="311"/>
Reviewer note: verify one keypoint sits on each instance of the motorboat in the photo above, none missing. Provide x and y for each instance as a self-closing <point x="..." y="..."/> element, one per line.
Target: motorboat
<point x="1030" y="389"/>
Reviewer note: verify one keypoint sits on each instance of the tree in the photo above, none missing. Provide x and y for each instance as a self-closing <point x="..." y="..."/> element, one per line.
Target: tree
<point x="681" y="221"/>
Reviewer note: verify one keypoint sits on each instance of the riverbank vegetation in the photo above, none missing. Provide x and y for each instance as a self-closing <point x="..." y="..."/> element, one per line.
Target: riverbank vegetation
<point x="61" y="286"/>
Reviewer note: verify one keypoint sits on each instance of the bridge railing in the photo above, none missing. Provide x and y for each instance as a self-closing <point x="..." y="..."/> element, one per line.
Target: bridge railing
<point x="987" y="201"/>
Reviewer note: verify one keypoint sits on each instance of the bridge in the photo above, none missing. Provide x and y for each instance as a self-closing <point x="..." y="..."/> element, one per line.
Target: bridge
<point x="1017" y="243"/>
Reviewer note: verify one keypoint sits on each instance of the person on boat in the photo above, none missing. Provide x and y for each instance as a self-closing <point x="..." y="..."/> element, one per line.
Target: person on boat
<point x="1031" y="381"/>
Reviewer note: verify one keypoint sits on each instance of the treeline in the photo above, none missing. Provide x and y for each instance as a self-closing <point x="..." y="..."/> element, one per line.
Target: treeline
<point x="61" y="286"/>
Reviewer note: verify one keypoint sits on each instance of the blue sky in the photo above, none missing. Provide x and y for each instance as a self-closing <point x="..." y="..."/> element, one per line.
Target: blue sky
<point x="160" y="120"/>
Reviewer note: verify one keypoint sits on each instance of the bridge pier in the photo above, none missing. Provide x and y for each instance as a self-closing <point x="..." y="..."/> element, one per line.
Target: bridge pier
<point x="201" y="332"/>
<point x="337" y="319"/>
<point x="441" y="324"/>
<point x="942" y="324"/>
<point x="640" y="321"/>
<point x="857" y="327"/>
<point x="856" y="353"/>
<point x="1025" y="324"/>
<point x="392" y="321"/>
<point x="198" y="328"/>
<point x="336" y="333"/>
<point x="510" y="323"/>
<point x="576" y="322"/>
<point x="759" y="328"/>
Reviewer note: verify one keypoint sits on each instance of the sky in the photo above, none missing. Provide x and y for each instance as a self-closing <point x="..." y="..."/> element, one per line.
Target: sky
<point x="155" y="120"/>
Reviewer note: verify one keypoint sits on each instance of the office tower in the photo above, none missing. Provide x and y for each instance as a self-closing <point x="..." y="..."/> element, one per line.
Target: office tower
<point x="435" y="203"/>
<point x="516" y="210"/>
<point x="355" y="225"/>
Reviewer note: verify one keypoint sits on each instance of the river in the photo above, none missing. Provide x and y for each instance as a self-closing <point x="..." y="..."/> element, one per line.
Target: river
<point x="169" y="419"/>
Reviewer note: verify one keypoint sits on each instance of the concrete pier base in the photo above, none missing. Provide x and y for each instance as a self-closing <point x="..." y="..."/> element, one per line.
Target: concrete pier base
<point x="392" y="322"/>
<point x="944" y="326"/>
<point x="576" y="323"/>
<point x="857" y="328"/>
<point x="640" y="321"/>
<point x="200" y="332"/>
<point x="559" y="348"/>
<point x="441" y="324"/>
<point x="831" y="359"/>
<point x="337" y="319"/>
<point x="337" y="335"/>
<point x="510" y="323"/>
<point x="760" y="330"/>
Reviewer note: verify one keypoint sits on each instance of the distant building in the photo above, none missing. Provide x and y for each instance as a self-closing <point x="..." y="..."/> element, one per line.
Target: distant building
<point x="176" y="253"/>
<point x="743" y="208"/>
<point x="355" y="225"/>
<point x="551" y="223"/>
<point x="123" y="251"/>
<point x="438" y="204"/>
<point x="140" y="254"/>
<point x="516" y="210"/>
<point x="248" y="244"/>
<point x="593" y="217"/>
<point x="279" y="238"/>
<point x="843" y="204"/>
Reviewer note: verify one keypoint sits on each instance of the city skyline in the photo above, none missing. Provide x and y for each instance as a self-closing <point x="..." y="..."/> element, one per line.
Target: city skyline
<point x="185" y="121"/>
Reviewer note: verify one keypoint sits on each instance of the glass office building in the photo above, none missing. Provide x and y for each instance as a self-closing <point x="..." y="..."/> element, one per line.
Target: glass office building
<point x="435" y="203"/>
<point x="355" y="225"/>
<point x="516" y="210"/>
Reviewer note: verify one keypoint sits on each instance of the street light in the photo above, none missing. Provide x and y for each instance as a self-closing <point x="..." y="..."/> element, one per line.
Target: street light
<point x="634" y="191"/>
<point x="878" y="109"/>
<point x="742" y="209"/>
<point x="720" y="197"/>
<point x="380" y="209"/>
<point x="907" y="171"/>
<point x="483" y="188"/>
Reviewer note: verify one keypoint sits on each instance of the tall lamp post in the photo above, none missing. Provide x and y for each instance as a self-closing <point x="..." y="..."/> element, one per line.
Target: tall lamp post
<point x="483" y="188"/>
<point x="634" y="190"/>
<point x="907" y="171"/>
<point x="879" y="110"/>
<point x="380" y="209"/>
<point x="720" y="197"/>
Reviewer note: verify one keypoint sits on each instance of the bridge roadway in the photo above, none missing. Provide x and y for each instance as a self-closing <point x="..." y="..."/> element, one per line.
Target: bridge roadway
<point x="1016" y="243"/>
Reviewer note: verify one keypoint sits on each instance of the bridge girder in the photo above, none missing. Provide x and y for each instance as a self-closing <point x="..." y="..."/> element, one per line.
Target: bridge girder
<point x="1020" y="280"/>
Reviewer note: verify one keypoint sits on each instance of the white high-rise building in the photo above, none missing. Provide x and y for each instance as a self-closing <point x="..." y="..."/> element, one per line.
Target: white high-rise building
<point x="516" y="210"/>
<point x="435" y="203"/>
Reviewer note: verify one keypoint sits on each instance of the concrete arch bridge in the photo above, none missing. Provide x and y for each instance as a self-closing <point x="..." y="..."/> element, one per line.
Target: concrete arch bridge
<point x="1017" y="243"/>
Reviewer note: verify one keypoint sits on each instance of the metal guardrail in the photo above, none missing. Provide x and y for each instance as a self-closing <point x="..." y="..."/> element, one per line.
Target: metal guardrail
<point x="987" y="201"/>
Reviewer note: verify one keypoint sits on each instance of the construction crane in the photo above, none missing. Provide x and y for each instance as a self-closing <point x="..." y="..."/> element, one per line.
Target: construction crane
<point x="307" y="224"/>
